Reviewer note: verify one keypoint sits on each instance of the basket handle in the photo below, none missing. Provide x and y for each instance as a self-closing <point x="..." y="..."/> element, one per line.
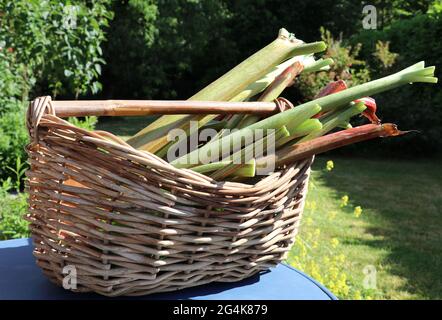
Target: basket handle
<point x="36" y="110"/>
<point x="79" y="108"/>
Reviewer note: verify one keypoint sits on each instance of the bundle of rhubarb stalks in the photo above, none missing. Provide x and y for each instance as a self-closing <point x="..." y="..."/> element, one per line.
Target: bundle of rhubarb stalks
<point x="295" y="132"/>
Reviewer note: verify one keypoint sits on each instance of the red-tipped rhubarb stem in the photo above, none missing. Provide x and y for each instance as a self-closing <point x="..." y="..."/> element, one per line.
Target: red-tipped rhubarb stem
<point x="332" y="141"/>
<point x="330" y="88"/>
<point x="370" y="112"/>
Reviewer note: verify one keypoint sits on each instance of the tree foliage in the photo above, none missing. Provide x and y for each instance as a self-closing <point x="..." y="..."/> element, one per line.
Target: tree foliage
<point x="56" y="43"/>
<point x="46" y="47"/>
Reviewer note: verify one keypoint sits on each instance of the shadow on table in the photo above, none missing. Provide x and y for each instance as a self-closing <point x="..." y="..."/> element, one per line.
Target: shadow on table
<point x="18" y="262"/>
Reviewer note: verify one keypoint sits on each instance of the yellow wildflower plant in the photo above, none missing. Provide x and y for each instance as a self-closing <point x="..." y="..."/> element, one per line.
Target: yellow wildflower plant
<point x="330" y="165"/>
<point x="332" y="215"/>
<point x="344" y="201"/>
<point x="357" y="211"/>
<point x="334" y="242"/>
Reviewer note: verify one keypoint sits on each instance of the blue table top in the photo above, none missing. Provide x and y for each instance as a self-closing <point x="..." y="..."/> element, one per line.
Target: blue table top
<point x="20" y="278"/>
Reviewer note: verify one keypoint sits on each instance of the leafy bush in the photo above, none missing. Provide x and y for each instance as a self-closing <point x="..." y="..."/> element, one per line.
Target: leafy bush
<point x="12" y="84"/>
<point x="13" y="137"/>
<point x="414" y="107"/>
<point x="12" y="209"/>
<point x="45" y="45"/>
<point x="87" y="123"/>
<point x="346" y="67"/>
<point x="57" y="43"/>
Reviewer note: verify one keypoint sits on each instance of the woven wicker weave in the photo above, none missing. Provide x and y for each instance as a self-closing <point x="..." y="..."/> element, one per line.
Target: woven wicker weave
<point x="132" y="224"/>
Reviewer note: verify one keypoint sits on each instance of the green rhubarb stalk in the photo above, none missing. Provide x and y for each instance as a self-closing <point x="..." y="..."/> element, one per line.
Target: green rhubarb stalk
<point x="260" y="85"/>
<point x="296" y="115"/>
<point x="256" y="66"/>
<point x="210" y="167"/>
<point x="218" y="126"/>
<point x="414" y="73"/>
<point x="250" y="150"/>
<point x="229" y="125"/>
<point x="154" y="137"/>
<point x="318" y="65"/>
<point x="302" y="53"/>
<point x="309" y="63"/>
<point x="246" y="169"/>
<point x="234" y="168"/>
<point x="273" y="91"/>
<point x="243" y="154"/>
<point x="305" y="128"/>
<point x="334" y="121"/>
<point x="232" y="123"/>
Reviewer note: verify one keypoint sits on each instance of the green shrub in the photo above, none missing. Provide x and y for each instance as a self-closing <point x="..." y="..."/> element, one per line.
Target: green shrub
<point x="87" y="123"/>
<point x="13" y="138"/>
<point x="12" y="209"/>
<point x="46" y="45"/>
<point x="346" y="67"/>
<point x="56" y="43"/>
<point x="12" y="84"/>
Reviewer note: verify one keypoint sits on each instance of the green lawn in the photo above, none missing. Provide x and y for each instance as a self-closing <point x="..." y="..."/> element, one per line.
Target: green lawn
<point x="123" y="127"/>
<point x="399" y="232"/>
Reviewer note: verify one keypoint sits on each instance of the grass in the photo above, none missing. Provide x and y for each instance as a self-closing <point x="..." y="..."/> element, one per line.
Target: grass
<point x="124" y="127"/>
<point x="399" y="231"/>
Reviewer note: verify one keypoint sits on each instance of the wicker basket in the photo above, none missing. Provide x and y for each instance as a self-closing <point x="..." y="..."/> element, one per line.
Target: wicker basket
<point x="132" y="224"/>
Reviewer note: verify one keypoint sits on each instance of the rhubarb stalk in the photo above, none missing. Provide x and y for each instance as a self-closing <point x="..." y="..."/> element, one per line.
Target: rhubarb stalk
<point x="154" y="137"/>
<point x="331" y="141"/>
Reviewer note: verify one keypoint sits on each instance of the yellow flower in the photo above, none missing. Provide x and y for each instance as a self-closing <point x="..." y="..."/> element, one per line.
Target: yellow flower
<point x="309" y="221"/>
<point x="317" y="232"/>
<point x="311" y="205"/>
<point x="333" y="272"/>
<point x="357" y="295"/>
<point x="344" y="201"/>
<point x="315" y="244"/>
<point x="331" y="215"/>
<point x="303" y="252"/>
<point x="334" y="242"/>
<point x="330" y="165"/>
<point x="340" y="258"/>
<point x="357" y="211"/>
